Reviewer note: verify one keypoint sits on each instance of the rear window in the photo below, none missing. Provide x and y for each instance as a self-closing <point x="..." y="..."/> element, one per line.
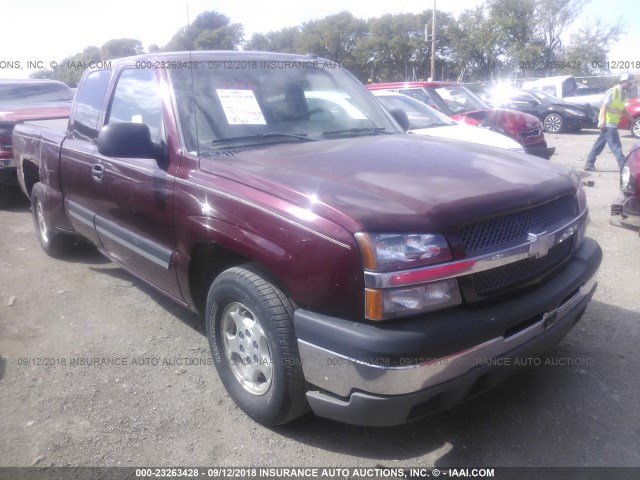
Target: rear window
<point x="31" y="93"/>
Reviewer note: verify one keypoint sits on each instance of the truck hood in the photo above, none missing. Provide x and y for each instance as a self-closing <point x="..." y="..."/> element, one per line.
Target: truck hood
<point x="391" y="183"/>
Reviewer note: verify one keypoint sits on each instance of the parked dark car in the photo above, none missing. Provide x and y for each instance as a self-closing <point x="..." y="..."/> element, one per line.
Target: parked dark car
<point x="555" y="114"/>
<point x="462" y="105"/>
<point x="625" y="212"/>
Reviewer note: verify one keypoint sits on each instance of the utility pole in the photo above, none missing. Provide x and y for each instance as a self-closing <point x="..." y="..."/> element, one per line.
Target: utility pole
<point x="433" y="43"/>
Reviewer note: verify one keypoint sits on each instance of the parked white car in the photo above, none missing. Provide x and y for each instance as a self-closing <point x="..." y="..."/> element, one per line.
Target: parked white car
<point x="424" y="120"/>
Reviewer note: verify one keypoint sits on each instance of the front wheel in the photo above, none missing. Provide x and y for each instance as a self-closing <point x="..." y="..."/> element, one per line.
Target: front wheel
<point x="635" y="127"/>
<point x="254" y="347"/>
<point x="553" y="123"/>
<point x="55" y="244"/>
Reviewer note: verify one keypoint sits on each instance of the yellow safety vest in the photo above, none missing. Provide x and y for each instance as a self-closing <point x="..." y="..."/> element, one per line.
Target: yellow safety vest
<point x="616" y="107"/>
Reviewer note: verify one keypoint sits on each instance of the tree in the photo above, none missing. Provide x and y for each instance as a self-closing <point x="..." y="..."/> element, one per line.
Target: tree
<point x="209" y="31"/>
<point x="287" y="40"/>
<point x="515" y="24"/>
<point x="588" y="49"/>
<point x="476" y="43"/>
<point x="553" y="19"/>
<point x="395" y="48"/>
<point x="334" y="37"/>
<point x="121" y="47"/>
<point x="70" y="69"/>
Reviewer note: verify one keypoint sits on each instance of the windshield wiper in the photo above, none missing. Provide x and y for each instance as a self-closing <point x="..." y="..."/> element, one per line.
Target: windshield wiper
<point x="299" y="136"/>
<point x="372" y="130"/>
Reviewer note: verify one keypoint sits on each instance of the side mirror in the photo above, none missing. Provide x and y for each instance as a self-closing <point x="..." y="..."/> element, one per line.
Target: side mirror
<point x="401" y="117"/>
<point x="533" y="103"/>
<point x="128" y="140"/>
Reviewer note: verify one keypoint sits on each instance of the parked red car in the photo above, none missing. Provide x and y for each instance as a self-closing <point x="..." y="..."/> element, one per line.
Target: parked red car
<point x="462" y="104"/>
<point x="632" y="121"/>
<point x="26" y="100"/>
<point x="625" y="212"/>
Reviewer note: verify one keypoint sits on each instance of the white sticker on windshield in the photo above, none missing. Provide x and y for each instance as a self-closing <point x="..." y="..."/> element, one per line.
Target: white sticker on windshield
<point x="240" y="107"/>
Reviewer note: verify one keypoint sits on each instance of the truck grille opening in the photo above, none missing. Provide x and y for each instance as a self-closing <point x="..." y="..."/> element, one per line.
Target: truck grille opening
<point x="493" y="281"/>
<point x="511" y="228"/>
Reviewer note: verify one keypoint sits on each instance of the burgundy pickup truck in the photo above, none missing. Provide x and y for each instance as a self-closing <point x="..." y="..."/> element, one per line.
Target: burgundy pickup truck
<point x="341" y="265"/>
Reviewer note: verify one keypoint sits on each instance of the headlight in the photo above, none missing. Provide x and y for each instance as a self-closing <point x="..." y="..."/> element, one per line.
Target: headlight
<point x="581" y="194"/>
<point x="394" y="252"/>
<point x="578" y="113"/>
<point x="401" y="302"/>
<point x="627" y="183"/>
<point x="387" y="252"/>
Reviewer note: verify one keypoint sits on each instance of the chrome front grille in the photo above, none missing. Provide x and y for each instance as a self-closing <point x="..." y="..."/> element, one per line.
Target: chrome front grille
<point x="515" y="227"/>
<point x="493" y="235"/>
<point x="492" y="281"/>
<point x="530" y="133"/>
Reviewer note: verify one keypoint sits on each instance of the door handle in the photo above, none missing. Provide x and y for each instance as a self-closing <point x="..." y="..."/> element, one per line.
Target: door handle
<point x="97" y="172"/>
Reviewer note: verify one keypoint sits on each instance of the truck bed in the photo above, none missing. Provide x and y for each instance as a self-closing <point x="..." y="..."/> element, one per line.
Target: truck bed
<point x="35" y="143"/>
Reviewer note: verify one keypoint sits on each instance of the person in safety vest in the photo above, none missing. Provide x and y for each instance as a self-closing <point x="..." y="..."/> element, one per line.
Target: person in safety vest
<point x="610" y="112"/>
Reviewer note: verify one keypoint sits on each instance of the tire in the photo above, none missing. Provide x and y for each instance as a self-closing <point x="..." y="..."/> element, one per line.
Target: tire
<point x="553" y="123"/>
<point x="635" y="127"/>
<point x="55" y="244"/>
<point x="249" y="324"/>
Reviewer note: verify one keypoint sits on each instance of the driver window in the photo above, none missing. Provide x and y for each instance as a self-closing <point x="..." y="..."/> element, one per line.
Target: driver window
<point x="550" y="90"/>
<point x="137" y="99"/>
<point x="419" y="94"/>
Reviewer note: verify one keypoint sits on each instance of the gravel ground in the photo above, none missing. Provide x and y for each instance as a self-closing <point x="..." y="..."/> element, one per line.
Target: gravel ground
<point x="160" y="403"/>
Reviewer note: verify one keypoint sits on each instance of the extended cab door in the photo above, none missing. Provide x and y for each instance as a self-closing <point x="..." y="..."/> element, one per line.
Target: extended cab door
<point x="134" y="218"/>
<point x="78" y="154"/>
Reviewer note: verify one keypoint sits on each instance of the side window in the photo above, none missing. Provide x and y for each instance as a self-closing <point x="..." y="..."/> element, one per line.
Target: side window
<point x="421" y="95"/>
<point x="137" y="99"/>
<point x="88" y="102"/>
<point x="522" y="100"/>
<point x="550" y="90"/>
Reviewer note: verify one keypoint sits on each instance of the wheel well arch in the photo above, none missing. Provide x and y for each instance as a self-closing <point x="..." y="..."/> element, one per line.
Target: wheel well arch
<point x="30" y="175"/>
<point x="207" y="261"/>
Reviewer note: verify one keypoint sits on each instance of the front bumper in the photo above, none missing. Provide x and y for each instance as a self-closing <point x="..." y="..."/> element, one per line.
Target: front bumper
<point x="394" y="372"/>
<point x="8" y="172"/>
<point x="626" y="212"/>
<point x="540" y="150"/>
<point x="576" y="123"/>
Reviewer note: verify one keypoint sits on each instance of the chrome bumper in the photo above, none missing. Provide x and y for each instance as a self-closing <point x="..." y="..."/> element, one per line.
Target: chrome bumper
<point x="7" y="162"/>
<point x="341" y="375"/>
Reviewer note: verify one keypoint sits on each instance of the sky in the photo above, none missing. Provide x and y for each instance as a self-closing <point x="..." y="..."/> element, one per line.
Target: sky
<point x="43" y="31"/>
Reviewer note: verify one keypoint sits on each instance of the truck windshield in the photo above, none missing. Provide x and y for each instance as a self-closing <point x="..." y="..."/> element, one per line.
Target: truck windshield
<point x="265" y="102"/>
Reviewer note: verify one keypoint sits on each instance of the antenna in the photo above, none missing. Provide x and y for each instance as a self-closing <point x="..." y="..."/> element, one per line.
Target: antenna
<point x="193" y="90"/>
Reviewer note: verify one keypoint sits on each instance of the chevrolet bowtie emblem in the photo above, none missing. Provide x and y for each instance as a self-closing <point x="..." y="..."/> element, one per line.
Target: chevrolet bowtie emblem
<point x="540" y="243"/>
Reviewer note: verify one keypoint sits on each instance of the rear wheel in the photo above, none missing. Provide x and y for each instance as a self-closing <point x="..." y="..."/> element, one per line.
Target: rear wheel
<point x="635" y="127"/>
<point x="553" y="123"/>
<point x="53" y="243"/>
<point x="254" y="347"/>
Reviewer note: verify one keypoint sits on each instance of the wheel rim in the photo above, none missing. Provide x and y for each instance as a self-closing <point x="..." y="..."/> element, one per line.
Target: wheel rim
<point x="43" y="231"/>
<point x="247" y="349"/>
<point x="635" y="128"/>
<point x="552" y="123"/>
